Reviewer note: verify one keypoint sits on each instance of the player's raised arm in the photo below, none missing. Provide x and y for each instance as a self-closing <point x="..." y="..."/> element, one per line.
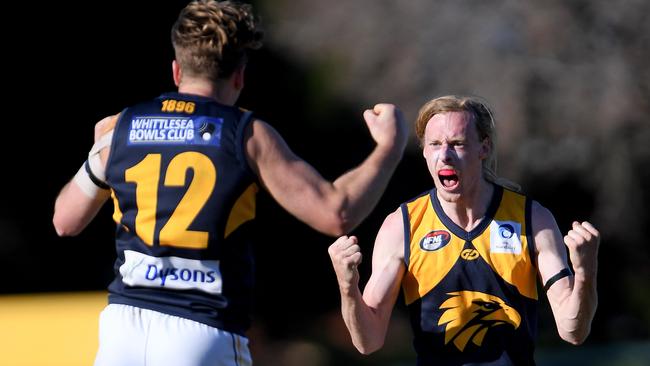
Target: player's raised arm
<point x="571" y="291"/>
<point x="333" y="208"/>
<point x="367" y="316"/>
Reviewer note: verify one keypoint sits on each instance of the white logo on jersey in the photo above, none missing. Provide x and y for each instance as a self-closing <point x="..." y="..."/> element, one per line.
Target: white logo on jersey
<point x="504" y="237"/>
<point x="170" y="272"/>
<point x="161" y="129"/>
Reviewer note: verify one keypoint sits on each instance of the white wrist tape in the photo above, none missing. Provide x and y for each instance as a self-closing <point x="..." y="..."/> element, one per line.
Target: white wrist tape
<point x="91" y="177"/>
<point x="82" y="178"/>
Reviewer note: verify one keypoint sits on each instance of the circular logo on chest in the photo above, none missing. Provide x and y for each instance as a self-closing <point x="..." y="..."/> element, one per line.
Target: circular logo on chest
<point x="506" y="231"/>
<point x="435" y="240"/>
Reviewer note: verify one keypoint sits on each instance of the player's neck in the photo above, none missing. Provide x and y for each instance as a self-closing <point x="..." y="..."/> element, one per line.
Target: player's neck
<point x="469" y="209"/>
<point x="219" y="91"/>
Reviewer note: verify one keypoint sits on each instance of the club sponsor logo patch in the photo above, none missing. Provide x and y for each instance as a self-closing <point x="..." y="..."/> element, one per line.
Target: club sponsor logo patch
<point x="505" y="237"/>
<point x="175" y="130"/>
<point x="171" y="272"/>
<point x="435" y="240"/>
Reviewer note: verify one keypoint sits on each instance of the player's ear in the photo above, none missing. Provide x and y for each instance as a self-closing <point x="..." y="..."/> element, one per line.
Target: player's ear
<point x="176" y="73"/>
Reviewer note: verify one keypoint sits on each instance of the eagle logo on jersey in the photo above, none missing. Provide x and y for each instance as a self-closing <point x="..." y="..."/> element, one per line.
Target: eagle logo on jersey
<point x="470" y="314"/>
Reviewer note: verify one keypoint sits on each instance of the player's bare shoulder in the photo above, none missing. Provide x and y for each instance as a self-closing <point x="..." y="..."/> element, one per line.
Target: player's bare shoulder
<point x="542" y="218"/>
<point x="390" y="238"/>
<point x="105" y="126"/>
<point x="394" y="221"/>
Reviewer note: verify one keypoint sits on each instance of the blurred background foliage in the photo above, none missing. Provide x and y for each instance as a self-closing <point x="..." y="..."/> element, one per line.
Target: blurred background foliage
<point x="569" y="82"/>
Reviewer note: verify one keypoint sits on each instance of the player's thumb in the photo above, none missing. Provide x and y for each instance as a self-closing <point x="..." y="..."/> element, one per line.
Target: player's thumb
<point x="369" y="116"/>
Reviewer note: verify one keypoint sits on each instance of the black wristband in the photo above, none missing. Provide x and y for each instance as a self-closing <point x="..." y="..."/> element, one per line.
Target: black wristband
<point x="563" y="273"/>
<point x="94" y="178"/>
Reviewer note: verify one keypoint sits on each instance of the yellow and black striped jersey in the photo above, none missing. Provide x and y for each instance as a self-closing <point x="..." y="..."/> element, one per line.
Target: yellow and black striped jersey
<point x="472" y="296"/>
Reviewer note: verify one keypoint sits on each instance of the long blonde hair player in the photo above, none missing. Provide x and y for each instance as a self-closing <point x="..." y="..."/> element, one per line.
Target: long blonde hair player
<point x="467" y="254"/>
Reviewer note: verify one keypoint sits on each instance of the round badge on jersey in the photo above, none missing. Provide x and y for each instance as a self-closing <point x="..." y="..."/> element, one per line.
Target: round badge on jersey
<point x="506" y="231"/>
<point x="435" y="240"/>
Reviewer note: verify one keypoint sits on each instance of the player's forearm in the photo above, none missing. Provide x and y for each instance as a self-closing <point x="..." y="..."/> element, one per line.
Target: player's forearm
<point x="363" y="186"/>
<point x="73" y="210"/>
<point x="363" y="323"/>
<point x="578" y="310"/>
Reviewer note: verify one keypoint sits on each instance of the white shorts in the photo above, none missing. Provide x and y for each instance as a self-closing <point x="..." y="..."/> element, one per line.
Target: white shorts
<point x="138" y="337"/>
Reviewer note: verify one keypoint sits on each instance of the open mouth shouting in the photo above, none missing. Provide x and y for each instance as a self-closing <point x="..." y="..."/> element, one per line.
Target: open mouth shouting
<point x="448" y="178"/>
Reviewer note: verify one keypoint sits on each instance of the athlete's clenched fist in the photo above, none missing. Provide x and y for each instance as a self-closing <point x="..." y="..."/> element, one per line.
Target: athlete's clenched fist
<point x="346" y="256"/>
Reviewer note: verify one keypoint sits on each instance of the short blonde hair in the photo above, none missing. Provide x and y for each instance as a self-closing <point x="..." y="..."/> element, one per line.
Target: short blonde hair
<point x="210" y="38"/>
<point x="483" y="120"/>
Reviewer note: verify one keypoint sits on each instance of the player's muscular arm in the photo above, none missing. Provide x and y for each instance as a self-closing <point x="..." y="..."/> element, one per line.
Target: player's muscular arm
<point x="573" y="299"/>
<point x="293" y="183"/>
<point x="367" y="316"/>
<point x="74" y="208"/>
<point x="335" y="207"/>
